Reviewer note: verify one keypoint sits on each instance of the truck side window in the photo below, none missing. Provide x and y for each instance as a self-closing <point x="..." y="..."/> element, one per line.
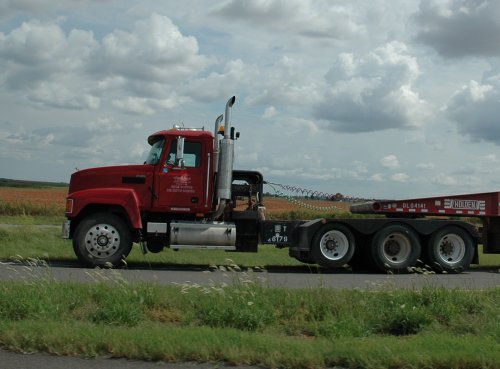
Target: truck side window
<point x="192" y="154"/>
<point x="155" y="152"/>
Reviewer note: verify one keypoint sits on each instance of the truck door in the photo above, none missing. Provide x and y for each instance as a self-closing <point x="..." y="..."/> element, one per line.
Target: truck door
<point x="180" y="186"/>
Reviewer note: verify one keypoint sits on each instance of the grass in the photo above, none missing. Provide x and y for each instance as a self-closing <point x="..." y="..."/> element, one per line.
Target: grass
<point x="55" y="220"/>
<point x="30" y="241"/>
<point x="245" y="324"/>
<point x="248" y="324"/>
<point x="28" y="209"/>
<point x="5" y="182"/>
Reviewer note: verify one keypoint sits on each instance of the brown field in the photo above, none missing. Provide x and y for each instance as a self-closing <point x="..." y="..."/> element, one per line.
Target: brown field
<point x="54" y="199"/>
<point x="47" y="197"/>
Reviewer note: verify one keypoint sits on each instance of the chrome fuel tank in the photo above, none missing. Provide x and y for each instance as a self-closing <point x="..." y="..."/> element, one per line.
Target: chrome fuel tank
<point x="221" y="235"/>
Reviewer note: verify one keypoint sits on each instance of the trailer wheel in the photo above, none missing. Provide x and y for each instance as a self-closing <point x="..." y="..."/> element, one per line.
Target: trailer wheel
<point x="102" y="239"/>
<point x="395" y="248"/>
<point x="333" y="246"/>
<point x="450" y="249"/>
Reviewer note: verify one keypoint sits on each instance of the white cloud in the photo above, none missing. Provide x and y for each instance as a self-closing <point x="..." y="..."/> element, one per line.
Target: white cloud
<point x="138" y="151"/>
<point x="400" y="177"/>
<point x="444" y="179"/>
<point x="9" y="8"/>
<point x="154" y="51"/>
<point x="460" y="28"/>
<point x="390" y="161"/>
<point x="325" y="89"/>
<point x="286" y="82"/>
<point x="360" y="167"/>
<point x="40" y="51"/>
<point x="374" y="92"/>
<point x="269" y="112"/>
<point x="475" y="108"/>
<point x="491" y="158"/>
<point x="426" y="166"/>
<point x="310" y="19"/>
<point x="140" y="71"/>
<point x="377" y="177"/>
<point x="217" y="86"/>
<point x="55" y="94"/>
<point x="297" y="127"/>
<point x="104" y="125"/>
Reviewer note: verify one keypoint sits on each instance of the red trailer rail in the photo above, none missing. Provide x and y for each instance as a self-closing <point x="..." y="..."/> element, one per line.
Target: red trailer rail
<point x="482" y="205"/>
<point x="469" y="205"/>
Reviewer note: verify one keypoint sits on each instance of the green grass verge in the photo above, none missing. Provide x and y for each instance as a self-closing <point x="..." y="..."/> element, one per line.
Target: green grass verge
<point x="247" y="324"/>
<point x="56" y="220"/>
<point x="30" y="241"/>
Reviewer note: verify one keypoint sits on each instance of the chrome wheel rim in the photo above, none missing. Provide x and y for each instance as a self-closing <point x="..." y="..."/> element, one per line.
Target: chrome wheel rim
<point x="396" y="248"/>
<point x="451" y="249"/>
<point x="334" y="245"/>
<point x="102" y="241"/>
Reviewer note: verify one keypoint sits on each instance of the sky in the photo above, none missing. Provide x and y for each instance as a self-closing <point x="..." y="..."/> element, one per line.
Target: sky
<point x="364" y="98"/>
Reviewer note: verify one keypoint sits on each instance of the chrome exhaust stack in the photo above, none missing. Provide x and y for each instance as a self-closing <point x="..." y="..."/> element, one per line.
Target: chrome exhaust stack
<point x="226" y="156"/>
<point x="224" y="164"/>
<point x="216" y="143"/>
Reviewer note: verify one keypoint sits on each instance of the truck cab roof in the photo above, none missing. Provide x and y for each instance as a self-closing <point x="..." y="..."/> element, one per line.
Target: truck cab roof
<point x="185" y="132"/>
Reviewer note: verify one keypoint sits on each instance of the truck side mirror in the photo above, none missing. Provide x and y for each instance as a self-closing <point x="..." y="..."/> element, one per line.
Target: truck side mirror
<point x="180" y="152"/>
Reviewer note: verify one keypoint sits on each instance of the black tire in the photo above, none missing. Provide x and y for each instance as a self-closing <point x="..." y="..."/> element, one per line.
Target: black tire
<point x="450" y="249"/>
<point x="395" y="248"/>
<point x="333" y="246"/>
<point x="102" y="239"/>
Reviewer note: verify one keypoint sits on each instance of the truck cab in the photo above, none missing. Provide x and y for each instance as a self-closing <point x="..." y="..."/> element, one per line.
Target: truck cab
<point x="183" y="196"/>
<point x="183" y="174"/>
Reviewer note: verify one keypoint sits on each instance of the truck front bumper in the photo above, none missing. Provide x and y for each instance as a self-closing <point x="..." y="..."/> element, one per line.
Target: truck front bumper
<point x="66" y="226"/>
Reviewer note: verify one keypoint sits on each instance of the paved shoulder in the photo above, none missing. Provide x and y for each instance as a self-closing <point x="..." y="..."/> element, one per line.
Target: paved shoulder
<point x="302" y="278"/>
<point x="10" y="360"/>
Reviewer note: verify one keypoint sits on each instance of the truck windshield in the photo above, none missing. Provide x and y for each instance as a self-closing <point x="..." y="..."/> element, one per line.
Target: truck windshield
<point x="155" y="152"/>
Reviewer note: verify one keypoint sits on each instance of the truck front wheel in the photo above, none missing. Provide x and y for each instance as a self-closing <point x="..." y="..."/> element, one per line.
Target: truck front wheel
<point x="450" y="249"/>
<point x="333" y="246"/>
<point x="102" y="239"/>
<point x="395" y="248"/>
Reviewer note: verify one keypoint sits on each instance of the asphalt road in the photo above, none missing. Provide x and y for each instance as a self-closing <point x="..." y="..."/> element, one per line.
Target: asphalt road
<point x="10" y="360"/>
<point x="299" y="277"/>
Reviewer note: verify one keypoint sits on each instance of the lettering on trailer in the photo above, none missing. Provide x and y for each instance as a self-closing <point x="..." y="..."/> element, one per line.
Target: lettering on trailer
<point x="414" y="205"/>
<point x="457" y="204"/>
<point x="279" y="237"/>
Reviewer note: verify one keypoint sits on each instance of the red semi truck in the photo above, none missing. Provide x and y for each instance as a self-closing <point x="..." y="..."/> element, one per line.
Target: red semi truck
<point x="185" y="194"/>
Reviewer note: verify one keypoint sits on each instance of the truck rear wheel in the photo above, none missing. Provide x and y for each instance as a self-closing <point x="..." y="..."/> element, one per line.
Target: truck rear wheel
<point x="395" y="248"/>
<point x="450" y="249"/>
<point x="333" y="246"/>
<point x="102" y="239"/>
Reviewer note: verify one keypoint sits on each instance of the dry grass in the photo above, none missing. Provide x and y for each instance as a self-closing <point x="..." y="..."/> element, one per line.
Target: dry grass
<point x="32" y="201"/>
<point x="27" y="200"/>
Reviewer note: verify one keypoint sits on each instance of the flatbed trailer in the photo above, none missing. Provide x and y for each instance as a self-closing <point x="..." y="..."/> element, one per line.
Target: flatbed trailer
<point x="483" y="206"/>
<point x="388" y="244"/>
